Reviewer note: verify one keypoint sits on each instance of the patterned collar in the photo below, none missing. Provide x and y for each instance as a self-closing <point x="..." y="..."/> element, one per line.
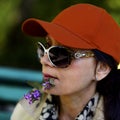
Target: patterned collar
<point x="50" y="111"/>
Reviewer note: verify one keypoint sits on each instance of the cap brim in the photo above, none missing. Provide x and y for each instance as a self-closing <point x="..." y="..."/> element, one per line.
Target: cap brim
<point x="39" y="28"/>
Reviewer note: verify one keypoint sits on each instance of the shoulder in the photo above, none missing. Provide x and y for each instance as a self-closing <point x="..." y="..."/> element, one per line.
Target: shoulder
<point x="26" y="111"/>
<point x="20" y="114"/>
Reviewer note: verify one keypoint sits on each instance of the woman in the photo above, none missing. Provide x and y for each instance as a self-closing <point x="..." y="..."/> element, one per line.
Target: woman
<point x="79" y="65"/>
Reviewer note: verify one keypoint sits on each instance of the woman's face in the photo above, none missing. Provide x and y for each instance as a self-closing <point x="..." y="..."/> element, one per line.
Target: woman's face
<point x="78" y="77"/>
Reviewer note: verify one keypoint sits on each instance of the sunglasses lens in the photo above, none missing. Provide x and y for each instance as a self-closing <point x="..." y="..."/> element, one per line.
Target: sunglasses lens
<point x="59" y="56"/>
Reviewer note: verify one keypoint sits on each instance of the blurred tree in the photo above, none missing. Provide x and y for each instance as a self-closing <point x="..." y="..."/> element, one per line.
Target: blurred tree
<point x="114" y="9"/>
<point x="8" y="17"/>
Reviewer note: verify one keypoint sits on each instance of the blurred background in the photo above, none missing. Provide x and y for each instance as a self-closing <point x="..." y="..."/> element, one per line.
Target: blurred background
<point x="18" y="58"/>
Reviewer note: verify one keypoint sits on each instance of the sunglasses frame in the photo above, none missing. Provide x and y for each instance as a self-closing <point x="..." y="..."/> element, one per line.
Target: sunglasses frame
<point x="73" y="55"/>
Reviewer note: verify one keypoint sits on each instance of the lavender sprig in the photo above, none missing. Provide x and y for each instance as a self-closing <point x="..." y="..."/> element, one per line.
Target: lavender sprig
<point x="48" y="84"/>
<point x="38" y="94"/>
<point x="32" y="96"/>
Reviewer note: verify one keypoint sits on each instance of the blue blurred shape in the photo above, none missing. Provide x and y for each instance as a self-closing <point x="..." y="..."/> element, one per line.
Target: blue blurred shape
<point x="13" y="87"/>
<point x="20" y="74"/>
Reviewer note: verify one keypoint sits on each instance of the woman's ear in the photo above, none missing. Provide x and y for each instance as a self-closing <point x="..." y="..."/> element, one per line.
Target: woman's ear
<point x="102" y="70"/>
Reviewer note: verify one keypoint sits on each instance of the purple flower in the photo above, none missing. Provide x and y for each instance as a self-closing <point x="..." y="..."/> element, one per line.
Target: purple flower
<point x="36" y="94"/>
<point x="28" y="96"/>
<point x="32" y="96"/>
<point x="46" y="85"/>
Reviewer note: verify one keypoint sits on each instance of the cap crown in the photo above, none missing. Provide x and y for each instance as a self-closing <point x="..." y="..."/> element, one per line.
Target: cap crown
<point x="92" y="24"/>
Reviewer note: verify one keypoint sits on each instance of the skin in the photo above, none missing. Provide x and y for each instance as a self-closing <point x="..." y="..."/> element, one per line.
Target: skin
<point x="75" y="85"/>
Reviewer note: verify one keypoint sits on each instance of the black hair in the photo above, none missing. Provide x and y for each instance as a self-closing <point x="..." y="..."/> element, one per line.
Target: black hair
<point x="109" y="87"/>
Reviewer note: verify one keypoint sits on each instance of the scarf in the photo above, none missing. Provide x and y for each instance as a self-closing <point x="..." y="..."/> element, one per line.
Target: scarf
<point x="50" y="111"/>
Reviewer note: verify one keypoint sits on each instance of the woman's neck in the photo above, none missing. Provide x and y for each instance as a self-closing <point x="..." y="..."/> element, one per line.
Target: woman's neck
<point x="72" y="105"/>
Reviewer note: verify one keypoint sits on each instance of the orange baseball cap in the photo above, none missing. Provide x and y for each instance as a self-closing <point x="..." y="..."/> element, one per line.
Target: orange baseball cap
<point x="82" y="26"/>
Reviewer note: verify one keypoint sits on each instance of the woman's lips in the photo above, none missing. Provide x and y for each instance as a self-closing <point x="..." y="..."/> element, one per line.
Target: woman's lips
<point x="47" y="76"/>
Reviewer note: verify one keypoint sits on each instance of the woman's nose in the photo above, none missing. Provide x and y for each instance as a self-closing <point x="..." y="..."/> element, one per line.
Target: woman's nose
<point x="45" y="61"/>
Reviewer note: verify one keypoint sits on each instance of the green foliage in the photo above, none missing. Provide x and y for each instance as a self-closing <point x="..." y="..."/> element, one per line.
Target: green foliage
<point x="114" y="9"/>
<point x="9" y="15"/>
